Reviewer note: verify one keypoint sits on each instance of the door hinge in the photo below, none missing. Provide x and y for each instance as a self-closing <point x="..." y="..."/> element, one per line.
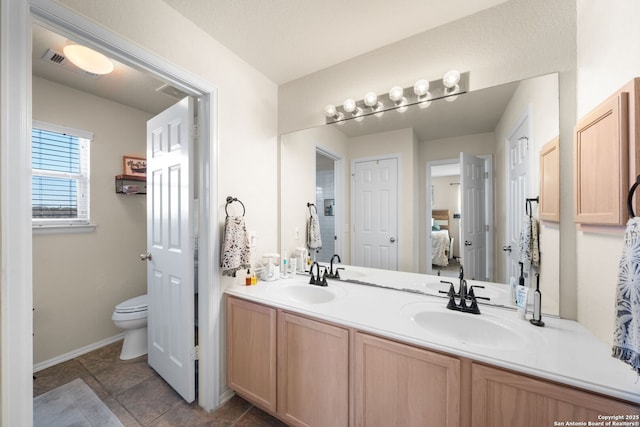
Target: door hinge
<point x="196" y="131"/>
<point x="195" y="353"/>
<point x="486" y="175"/>
<point x="486" y="227"/>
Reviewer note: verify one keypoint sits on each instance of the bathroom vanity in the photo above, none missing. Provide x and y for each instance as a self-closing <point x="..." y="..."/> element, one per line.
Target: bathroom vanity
<point x="349" y="354"/>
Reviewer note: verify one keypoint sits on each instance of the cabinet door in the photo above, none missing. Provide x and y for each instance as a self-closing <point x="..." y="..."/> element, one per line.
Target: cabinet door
<point x="550" y="181"/>
<point x="313" y="372"/>
<point x="251" y="352"/>
<point x="601" y="163"/>
<point x="501" y="398"/>
<point x="400" y="385"/>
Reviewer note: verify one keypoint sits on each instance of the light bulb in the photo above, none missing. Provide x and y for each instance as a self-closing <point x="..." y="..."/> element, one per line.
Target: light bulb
<point x="451" y="78"/>
<point x="395" y="94"/>
<point x="370" y="99"/>
<point x="349" y="105"/>
<point x="330" y="111"/>
<point x="421" y="87"/>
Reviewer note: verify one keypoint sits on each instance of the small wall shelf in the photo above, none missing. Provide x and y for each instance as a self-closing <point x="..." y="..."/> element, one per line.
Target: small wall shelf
<point x="126" y="184"/>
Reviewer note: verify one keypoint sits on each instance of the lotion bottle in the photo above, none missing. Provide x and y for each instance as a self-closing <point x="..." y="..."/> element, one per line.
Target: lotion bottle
<point x="537" y="304"/>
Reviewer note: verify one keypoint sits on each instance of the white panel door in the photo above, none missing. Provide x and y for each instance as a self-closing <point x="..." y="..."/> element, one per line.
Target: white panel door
<point x="170" y="272"/>
<point x="473" y="224"/>
<point x="516" y="197"/>
<point x="375" y="216"/>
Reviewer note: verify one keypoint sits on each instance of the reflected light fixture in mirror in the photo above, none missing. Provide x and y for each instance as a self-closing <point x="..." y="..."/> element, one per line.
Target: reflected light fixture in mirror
<point x="88" y="59"/>
<point x="422" y="93"/>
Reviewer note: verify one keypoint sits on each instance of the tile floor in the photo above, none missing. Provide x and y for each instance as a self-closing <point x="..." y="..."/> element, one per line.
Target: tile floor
<point x="139" y="397"/>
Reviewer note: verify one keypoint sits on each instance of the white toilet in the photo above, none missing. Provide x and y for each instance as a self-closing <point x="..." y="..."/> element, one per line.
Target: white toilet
<point x="131" y="315"/>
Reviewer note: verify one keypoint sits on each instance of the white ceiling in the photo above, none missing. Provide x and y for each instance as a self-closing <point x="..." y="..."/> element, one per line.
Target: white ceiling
<point x="288" y="39"/>
<point x="284" y="39"/>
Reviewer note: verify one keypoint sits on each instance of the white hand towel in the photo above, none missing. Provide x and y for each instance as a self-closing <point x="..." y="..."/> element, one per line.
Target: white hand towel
<point x="626" y="338"/>
<point x="314" y="239"/>
<point x="235" y="253"/>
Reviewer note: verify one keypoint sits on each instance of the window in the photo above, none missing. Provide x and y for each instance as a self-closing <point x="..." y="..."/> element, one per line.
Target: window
<point x="59" y="175"/>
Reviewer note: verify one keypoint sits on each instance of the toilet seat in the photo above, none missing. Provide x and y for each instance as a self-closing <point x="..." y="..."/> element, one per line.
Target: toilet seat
<point x="133" y="305"/>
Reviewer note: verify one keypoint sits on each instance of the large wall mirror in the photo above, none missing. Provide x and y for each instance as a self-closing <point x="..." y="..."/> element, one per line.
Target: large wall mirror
<point x="435" y="186"/>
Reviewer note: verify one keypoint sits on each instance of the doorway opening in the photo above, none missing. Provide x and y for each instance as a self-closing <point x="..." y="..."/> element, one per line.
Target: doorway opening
<point x="16" y="127"/>
<point x="328" y="197"/>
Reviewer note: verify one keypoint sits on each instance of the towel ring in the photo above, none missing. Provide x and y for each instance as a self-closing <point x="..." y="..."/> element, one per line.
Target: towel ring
<point x="630" y="197"/>
<point x="314" y="207"/>
<point x="231" y="200"/>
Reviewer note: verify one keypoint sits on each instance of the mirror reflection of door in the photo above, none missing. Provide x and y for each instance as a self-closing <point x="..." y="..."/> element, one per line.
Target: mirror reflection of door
<point x="473" y="225"/>
<point x="326" y="191"/>
<point x="375" y="213"/>
<point x="518" y="158"/>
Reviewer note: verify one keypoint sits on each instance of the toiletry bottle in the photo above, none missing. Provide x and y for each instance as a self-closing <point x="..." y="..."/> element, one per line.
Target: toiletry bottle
<point x="254" y="278"/>
<point x="537" y="304"/>
<point x="247" y="279"/>
<point x="283" y="273"/>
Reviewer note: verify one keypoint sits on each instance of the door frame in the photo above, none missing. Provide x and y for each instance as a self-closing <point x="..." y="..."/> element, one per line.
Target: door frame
<point x="398" y="158"/>
<point x="16" y="292"/>
<point x="338" y="174"/>
<point x="488" y="167"/>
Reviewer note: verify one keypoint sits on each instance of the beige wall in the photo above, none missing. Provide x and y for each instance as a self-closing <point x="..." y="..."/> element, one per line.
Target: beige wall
<point x="78" y="278"/>
<point x="607" y="59"/>
<point x="512" y="41"/>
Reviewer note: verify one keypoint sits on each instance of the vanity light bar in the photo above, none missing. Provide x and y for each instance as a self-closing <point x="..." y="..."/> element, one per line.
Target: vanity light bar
<point x="421" y="93"/>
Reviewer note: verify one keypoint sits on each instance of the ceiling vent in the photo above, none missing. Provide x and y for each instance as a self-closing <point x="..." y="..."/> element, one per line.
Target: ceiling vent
<point x="171" y="91"/>
<point x="59" y="59"/>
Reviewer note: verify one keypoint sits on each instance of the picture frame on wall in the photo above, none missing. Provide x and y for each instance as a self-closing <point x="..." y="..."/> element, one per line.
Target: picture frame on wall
<point x="134" y="166"/>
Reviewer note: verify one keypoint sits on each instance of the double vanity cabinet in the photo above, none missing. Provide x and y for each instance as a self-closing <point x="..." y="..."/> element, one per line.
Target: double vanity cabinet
<point x="311" y="372"/>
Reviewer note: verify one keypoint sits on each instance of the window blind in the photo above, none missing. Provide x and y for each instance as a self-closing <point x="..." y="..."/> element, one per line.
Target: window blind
<point x="60" y="176"/>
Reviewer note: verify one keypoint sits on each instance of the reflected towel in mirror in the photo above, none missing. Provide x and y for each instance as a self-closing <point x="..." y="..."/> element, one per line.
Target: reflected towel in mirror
<point x="314" y="239"/>
<point x="528" y="243"/>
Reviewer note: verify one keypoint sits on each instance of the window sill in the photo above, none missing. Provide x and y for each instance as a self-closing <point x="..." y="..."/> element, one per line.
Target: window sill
<point x="63" y="228"/>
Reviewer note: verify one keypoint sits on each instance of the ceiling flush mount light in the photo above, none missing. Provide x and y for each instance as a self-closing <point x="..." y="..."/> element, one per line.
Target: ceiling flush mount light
<point x="422" y="94"/>
<point x="87" y="59"/>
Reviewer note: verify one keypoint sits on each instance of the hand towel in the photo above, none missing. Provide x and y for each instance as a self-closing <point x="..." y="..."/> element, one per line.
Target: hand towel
<point x="235" y="253"/>
<point x="314" y="240"/>
<point x="626" y="337"/>
<point x="528" y="243"/>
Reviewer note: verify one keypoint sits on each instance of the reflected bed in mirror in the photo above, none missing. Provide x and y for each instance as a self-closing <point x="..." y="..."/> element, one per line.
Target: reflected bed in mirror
<point x="385" y="194"/>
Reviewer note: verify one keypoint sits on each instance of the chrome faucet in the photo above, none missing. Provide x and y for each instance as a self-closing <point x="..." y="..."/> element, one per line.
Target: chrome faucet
<point x="318" y="280"/>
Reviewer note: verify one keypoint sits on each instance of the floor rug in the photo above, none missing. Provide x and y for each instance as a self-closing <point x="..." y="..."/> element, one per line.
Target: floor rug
<point x="73" y="404"/>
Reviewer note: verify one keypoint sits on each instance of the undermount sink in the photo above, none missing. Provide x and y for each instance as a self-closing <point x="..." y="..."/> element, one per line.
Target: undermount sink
<point x="484" y="330"/>
<point x="308" y="294"/>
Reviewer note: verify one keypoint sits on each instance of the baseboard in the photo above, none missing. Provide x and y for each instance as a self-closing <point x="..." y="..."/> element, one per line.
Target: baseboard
<point x="225" y="396"/>
<point x="77" y="352"/>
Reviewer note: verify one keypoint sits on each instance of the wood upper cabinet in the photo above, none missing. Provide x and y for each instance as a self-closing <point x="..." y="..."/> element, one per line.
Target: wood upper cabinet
<point x="502" y="398"/>
<point x="401" y="385"/>
<point x="605" y="148"/>
<point x="313" y="372"/>
<point x="251" y="351"/>
<point x="550" y="181"/>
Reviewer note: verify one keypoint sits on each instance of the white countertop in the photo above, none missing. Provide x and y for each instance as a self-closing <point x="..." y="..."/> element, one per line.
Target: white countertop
<point x="562" y="350"/>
